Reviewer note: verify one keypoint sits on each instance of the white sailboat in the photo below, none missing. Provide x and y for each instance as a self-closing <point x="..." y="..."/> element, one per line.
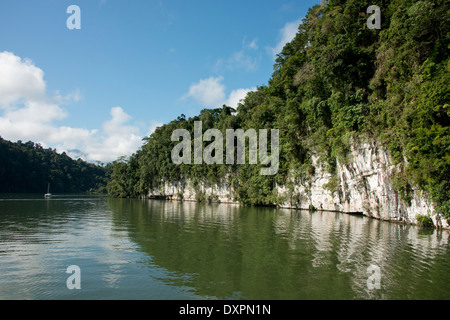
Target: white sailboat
<point x="48" y="194"/>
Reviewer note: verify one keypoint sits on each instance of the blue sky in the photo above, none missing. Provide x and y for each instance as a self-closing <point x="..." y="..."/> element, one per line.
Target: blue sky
<point x="133" y="65"/>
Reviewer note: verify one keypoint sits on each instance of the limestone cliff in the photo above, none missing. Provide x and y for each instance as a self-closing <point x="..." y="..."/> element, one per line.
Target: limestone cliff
<point x="363" y="184"/>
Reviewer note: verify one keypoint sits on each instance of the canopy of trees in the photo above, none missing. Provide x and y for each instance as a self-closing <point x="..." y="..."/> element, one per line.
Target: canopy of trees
<point x="337" y="81"/>
<point x="28" y="168"/>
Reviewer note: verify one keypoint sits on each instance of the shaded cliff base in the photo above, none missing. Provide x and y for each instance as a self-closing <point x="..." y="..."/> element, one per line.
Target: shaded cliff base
<point x="437" y="220"/>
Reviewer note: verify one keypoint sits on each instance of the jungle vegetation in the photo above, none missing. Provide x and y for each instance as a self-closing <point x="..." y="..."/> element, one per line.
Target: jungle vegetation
<point x="29" y="168"/>
<point x="336" y="83"/>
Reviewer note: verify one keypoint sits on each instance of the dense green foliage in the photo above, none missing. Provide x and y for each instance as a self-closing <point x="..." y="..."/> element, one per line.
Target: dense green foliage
<point x="338" y="81"/>
<point x="424" y="221"/>
<point x="28" y="168"/>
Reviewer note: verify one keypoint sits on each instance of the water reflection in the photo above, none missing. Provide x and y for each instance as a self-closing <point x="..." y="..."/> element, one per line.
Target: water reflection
<point x="229" y="251"/>
<point x="141" y="249"/>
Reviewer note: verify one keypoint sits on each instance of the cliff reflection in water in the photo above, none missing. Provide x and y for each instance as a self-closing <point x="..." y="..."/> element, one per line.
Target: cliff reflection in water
<point x="231" y="251"/>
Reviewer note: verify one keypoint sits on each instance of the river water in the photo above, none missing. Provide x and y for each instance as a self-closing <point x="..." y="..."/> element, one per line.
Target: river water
<point x="149" y="249"/>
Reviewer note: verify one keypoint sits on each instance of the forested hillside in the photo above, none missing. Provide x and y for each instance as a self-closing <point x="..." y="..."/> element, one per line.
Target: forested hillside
<point x="28" y="168"/>
<point x="338" y="81"/>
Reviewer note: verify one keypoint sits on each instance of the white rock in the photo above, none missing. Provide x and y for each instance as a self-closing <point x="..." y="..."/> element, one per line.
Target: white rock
<point x="364" y="186"/>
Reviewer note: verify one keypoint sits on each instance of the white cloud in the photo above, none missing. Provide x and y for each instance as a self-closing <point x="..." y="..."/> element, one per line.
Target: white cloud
<point x="20" y="79"/>
<point x="211" y="93"/>
<point x="236" y="96"/>
<point x="254" y="44"/>
<point x="246" y="59"/>
<point x="29" y="114"/>
<point x="71" y="97"/>
<point x="153" y="126"/>
<point x="286" y="35"/>
<point x="118" y="138"/>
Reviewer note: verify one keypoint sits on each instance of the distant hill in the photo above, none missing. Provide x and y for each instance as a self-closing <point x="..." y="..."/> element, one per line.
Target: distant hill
<point x="28" y="168"/>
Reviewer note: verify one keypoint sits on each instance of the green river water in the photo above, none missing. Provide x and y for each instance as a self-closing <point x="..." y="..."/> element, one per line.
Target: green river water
<point x="149" y="249"/>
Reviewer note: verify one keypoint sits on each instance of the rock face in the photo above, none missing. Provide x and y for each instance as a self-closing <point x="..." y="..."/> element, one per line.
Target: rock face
<point x="361" y="185"/>
<point x="187" y="191"/>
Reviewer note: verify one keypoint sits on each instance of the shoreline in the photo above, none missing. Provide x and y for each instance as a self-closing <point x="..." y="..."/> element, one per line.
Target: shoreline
<point x="177" y="199"/>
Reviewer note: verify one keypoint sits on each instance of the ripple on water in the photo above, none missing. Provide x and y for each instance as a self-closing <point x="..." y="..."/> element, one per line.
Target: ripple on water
<point x="148" y="249"/>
